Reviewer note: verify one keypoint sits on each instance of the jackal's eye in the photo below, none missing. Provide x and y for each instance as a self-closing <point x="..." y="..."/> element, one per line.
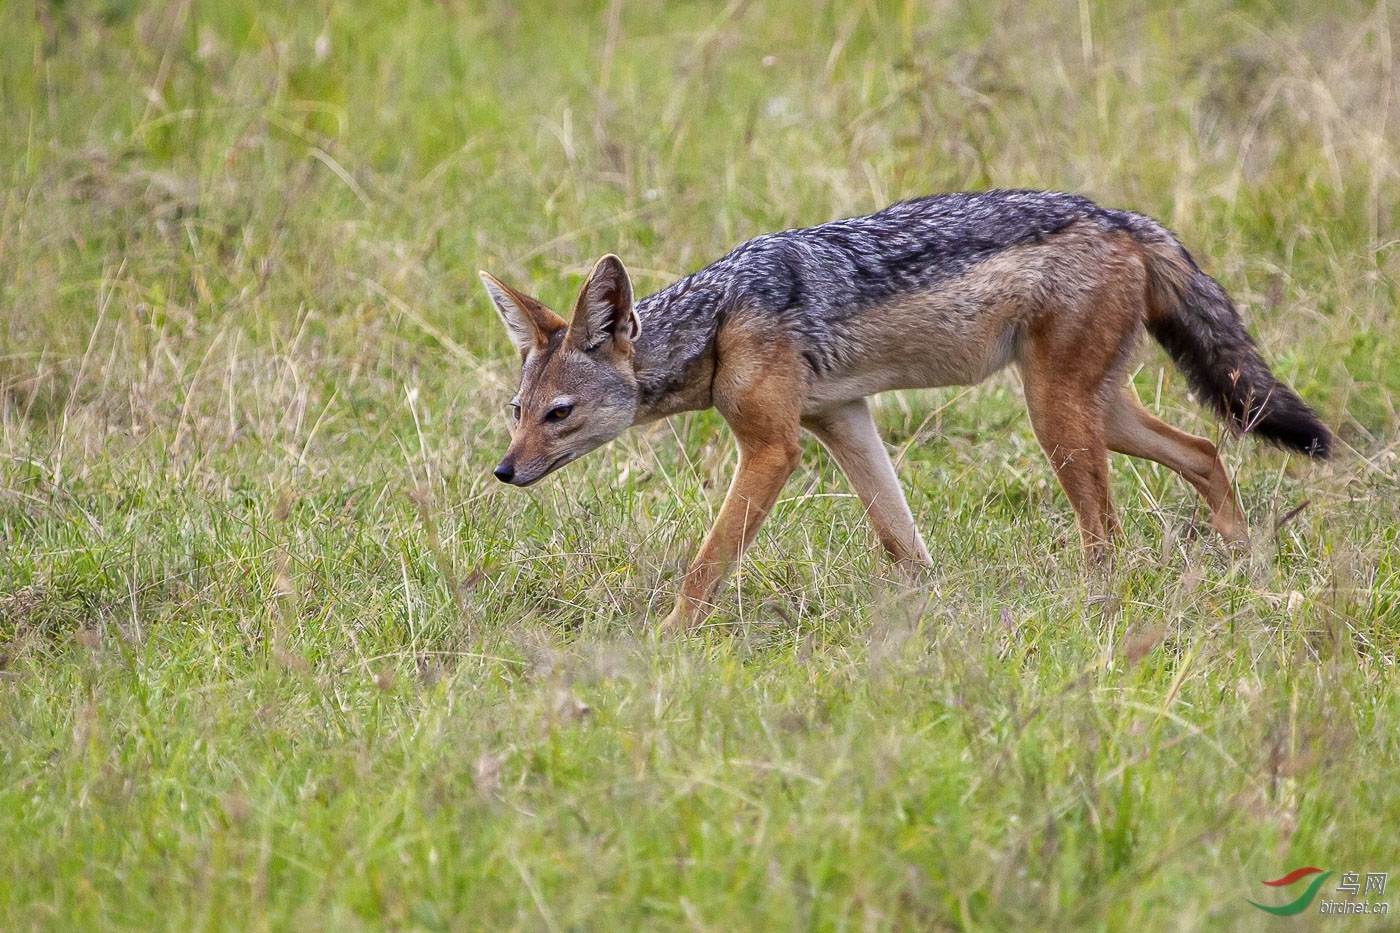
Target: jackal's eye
<point x="514" y="411"/>
<point x="559" y="413"/>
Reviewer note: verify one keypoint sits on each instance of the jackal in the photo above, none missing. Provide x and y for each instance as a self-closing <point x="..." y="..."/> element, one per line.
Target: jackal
<point x="795" y="329"/>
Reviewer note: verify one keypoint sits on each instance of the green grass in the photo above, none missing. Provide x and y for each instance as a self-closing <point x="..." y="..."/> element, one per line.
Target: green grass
<point x="277" y="652"/>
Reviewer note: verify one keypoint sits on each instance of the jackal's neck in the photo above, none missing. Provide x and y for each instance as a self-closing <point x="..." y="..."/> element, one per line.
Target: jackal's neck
<point x="675" y="352"/>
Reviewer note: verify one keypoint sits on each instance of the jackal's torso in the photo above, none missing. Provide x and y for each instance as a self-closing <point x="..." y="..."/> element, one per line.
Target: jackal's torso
<point x="927" y="292"/>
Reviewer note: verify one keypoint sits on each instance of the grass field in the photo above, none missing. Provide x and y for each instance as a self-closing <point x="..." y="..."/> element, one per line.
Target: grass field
<point x="277" y="652"/>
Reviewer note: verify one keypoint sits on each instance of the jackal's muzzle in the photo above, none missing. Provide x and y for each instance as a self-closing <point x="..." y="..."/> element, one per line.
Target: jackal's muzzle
<point x="527" y="474"/>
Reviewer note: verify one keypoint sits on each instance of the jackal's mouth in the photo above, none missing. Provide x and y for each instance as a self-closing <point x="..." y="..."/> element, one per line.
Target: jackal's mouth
<point x="554" y="465"/>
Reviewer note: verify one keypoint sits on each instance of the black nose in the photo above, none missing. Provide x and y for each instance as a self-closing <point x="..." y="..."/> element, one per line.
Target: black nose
<point x="505" y="472"/>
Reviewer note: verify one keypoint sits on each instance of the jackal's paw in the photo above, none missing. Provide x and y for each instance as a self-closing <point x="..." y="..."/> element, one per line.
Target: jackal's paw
<point x="680" y="621"/>
<point x="672" y="624"/>
<point x="1233" y="531"/>
<point x="1234" y="536"/>
<point x="1236" y="543"/>
<point x="914" y="570"/>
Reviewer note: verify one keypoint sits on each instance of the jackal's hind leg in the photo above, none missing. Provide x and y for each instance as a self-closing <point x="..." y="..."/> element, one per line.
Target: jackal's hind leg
<point x="849" y="433"/>
<point x="1068" y="424"/>
<point x="1132" y="430"/>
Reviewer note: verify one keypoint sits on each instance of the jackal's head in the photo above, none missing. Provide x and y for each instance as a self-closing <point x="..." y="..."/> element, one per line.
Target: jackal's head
<point x="577" y="386"/>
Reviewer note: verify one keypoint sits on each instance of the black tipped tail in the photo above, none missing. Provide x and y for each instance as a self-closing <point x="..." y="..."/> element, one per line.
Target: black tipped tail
<point x="1194" y="320"/>
<point x="1291" y="423"/>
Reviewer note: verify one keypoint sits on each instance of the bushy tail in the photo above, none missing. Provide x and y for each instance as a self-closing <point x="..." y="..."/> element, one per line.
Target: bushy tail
<point x="1190" y="315"/>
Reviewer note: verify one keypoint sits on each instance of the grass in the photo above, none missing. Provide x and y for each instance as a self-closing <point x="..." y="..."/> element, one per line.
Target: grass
<point x="277" y="651"/>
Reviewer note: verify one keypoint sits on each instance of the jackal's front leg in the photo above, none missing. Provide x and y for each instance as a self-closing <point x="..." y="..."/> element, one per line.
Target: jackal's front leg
<point x="763" y="469"/>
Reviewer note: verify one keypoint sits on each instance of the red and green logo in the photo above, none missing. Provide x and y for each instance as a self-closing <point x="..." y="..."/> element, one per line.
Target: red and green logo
<point x="1304" y="900"/>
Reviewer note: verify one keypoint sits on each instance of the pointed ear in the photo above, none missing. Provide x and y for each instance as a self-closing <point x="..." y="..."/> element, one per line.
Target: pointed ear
<point x="604" y="311"/>
<point x="529" y="323"/>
